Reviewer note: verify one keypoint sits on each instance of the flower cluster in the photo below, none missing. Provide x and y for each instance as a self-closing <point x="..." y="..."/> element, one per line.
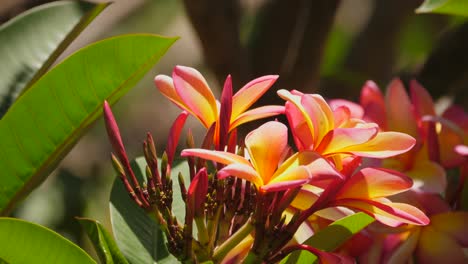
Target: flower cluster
<point x="256" y="199"/>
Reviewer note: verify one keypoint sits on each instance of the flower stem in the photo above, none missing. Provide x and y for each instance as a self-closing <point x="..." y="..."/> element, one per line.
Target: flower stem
<point x="231" y="242"/>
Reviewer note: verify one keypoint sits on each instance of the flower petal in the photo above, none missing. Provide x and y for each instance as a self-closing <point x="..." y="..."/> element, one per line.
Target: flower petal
<point x="391" y="214"/>
<point x="437" y="247"/>
<point x="399" y="109"/>
<point x="250" y="93"/>
<point x="165" y="85"/>
<point x="299" y="122"/>
<point x="370" y="183"/>
<point x="195" y="93"/>
<point x="383" y="145"/>
<point x="216" y="156"/>
<point x="320" y="113"/>
<point x="242" y="171"/>
<point x="340" y="139"/>
<point x="427" y="176"/>
<point x="257" y="113"/>
<point x="453" y="224"/>
<point x="373" y="103"/>
<point x="288" y="179"/>
<point x="265" y="146"/>
<point x="422" y="100"/>
<point x="356" y="110"/>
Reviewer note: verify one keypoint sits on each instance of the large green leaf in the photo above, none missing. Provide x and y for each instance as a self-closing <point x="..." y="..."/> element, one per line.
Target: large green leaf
<point x="32" y="41"/>
<point x="44" y="123"/>
<point x="103" y="242"/>
<point x="25" y="242"/>
<point x="332" y="237"/>
<point x="451" y="7"/>
<point x="137" y="233"/>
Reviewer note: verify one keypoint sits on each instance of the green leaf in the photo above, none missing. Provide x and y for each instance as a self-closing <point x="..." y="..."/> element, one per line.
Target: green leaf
<point x="451" y="7"/>
<point x="45" y="123"/>
<point x="103" y="242"/>
<point x="25" y="242"/>
<point x="32" y="41"/>
<point x="137" y="234"/>
<point x="331" y="237"/>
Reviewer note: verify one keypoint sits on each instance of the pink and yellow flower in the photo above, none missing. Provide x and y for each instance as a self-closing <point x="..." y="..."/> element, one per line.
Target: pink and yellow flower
<point x="265" y="166"/>
<point x="318" y="127"/>
<point x="189" y="90"/>
<point x="367" y="191"/>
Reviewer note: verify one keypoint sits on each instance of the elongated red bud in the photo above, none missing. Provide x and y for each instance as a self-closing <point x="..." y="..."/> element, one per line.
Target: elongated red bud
<point x="197" y="192"/>
<point x="114" y="133"/>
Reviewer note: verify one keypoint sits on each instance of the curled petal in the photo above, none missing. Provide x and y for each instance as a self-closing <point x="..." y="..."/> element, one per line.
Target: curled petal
<point x="399" y="109"/>
<point x="195" y="93"/>
<point x="388" y="213"/>
<point x="216" y="156"/>
<point x="383" y="145"/>
<point x="242" y="171"/>
<point x="266" y="146"/>
<point x="356" y="110"/>
<point x="299" y="120"/>
<point x="165" y="85"/>
<point x="256" y="113"/>
<point x="370" y="183"/>
<point x="320" y="113"/>
<point x="225" y="112"/>
<point x="250" y="93"/>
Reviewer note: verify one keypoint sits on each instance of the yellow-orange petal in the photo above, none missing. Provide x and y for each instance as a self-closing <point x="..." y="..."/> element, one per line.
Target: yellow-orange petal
<point x="266" y="146"/>
<point x="383" y="145"/>
<point x="195" y="93"/>
<point x="216" y="156"/>
<point x="370" y="183"/>
<point x="242" y="171"/>
<point x="256" y="113"/>
<point x="340" y="139"/>
<point x="452" y="224"/>
<point x="289" y="179"/>
<point x="438" y="247"/>
<point x="320" y="113"/>
<point x="250" y="93"/>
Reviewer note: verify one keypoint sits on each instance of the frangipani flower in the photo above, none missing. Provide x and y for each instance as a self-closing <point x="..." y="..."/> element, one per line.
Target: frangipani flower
<point x="317" y="127"/>
<point x="441" y="241"/>
<point x="416" y="116"/>
<point x="189" y="90"/>
<point x="366" y="191"/>
<point x="265" y="168"/>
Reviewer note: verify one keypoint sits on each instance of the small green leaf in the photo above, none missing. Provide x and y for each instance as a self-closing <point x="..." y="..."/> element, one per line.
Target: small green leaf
<point x="45" y="122"/>
<point x="103" y="242"/>
<point x="331" y="237"/>
<point x="32" y="41"/>
<point x="137" y="234"/>
<point x="25" y="242"/>
<point x="451" y="7"/>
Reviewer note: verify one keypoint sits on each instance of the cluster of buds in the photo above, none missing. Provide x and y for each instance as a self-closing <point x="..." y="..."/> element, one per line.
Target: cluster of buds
<point x="257" y="199"/>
